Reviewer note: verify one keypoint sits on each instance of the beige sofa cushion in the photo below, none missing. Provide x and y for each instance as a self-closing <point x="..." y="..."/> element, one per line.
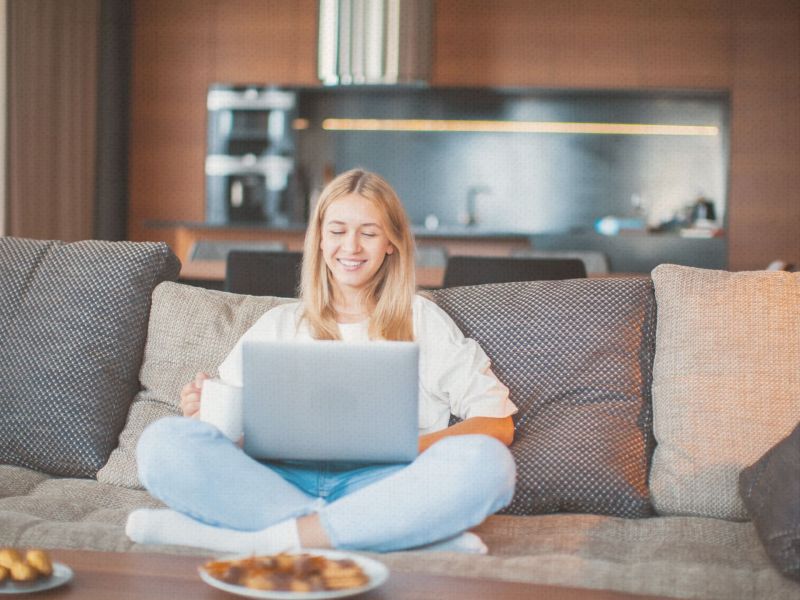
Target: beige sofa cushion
<point x="190" y="329"/>
<point x="726" y="382"/>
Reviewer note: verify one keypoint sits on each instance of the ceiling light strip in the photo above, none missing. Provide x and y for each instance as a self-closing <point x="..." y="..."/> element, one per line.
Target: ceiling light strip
<point x="441" y="125"/>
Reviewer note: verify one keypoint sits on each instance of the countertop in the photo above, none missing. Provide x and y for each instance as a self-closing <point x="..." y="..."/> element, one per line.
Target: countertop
<point x="444" y="231"/>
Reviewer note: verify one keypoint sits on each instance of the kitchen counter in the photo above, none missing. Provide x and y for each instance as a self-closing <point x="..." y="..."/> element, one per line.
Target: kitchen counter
<point x="629" y="252"/>
<point x="433" y="245"/>
<point x="420" y="231"/>
<point x="640" y="252"/>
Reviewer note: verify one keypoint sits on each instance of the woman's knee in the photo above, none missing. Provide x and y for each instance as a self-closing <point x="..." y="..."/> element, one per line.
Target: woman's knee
<point x="161" y="442"/>
<point x="482" y="458"/>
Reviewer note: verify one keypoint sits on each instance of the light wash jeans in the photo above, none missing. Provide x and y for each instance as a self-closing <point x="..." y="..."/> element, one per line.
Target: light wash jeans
<point x="454" y="485"/>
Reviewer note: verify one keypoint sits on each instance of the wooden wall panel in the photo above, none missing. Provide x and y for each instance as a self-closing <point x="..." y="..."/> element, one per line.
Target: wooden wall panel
<point x="172" y="65"/>
<point x="765" y="142"/>
<point x="265" y="41"/>
<point x="583" y="43"/>
<point x="52" y="86"/>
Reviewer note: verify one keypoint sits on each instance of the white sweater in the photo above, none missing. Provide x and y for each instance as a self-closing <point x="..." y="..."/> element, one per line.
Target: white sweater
<point x="454" y="372"/>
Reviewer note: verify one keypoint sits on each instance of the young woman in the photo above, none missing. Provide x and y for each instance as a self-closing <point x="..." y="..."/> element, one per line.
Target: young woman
<point x="357" y="285"/>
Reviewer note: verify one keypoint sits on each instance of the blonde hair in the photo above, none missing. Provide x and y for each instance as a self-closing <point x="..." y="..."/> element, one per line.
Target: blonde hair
<point x="391" y="290"/>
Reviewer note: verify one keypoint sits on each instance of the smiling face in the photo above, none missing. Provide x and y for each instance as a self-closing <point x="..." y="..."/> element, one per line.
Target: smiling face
<point x="354" y="242"/>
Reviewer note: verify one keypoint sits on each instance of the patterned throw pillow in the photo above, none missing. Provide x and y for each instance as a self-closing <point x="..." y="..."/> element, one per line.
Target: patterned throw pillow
<point x="577" y="358"/>
<point x="725" y="382"/>
<point x="190" y="330"/>
<point x="72" y="331"/>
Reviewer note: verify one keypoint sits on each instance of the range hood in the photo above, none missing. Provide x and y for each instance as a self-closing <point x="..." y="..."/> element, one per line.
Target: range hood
<point x="375" y="41"/>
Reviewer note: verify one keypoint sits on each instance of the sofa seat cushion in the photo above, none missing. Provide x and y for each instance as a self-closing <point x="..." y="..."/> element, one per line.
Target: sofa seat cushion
<point x="680" y="557"/>
<point x="47" y="512"/>
<point x="674" y="557"/>
<point x="576" y="356"/>
<point x="71" y="342"/>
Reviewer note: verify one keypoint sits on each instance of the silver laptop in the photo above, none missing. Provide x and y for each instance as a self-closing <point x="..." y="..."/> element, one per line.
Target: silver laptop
<point x="330" y="400"/>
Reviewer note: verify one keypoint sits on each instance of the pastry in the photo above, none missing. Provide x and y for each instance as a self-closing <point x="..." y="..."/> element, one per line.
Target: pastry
<point x="9" y="556"/>
<point x="287" y="572"/>
<point x="40" y="561"/>
<point x="35" y="564"/>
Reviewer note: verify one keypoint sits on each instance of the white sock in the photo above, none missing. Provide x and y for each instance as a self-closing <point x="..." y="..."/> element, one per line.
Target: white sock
<point x="165" y="526"/>
<point x="466" y="543"/>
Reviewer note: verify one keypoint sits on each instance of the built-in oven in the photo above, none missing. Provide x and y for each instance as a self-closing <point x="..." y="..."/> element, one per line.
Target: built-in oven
<point x="250" y="154"/>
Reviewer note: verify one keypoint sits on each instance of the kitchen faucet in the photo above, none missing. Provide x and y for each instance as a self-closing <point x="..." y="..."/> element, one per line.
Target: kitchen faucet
<point x="470" y="216"/>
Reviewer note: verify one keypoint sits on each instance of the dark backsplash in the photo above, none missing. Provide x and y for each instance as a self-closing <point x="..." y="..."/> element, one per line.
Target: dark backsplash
<point x="525" y="178"/>
<point x="533" y="182"/>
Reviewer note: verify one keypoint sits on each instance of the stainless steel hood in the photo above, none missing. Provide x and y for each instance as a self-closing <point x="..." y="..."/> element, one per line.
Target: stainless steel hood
<point x="375" y="41"/>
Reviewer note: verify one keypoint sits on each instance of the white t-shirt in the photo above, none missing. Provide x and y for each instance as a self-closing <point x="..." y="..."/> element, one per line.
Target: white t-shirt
<point x="454" y="372"/>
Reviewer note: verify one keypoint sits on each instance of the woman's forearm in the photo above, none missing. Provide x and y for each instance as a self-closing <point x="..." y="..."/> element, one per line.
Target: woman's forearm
<point x="502" y="429"/>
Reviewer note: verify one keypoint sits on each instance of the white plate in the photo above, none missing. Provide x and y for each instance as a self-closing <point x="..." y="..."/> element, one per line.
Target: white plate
<point x="61" y="575"/>
<point x="376" y="573"/>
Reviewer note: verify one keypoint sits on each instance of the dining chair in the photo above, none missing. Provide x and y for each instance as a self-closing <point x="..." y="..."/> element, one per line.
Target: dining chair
<point x="474" y="270"/>
<point x="596" y="262"/>
<point x="219" y="249"/>
<point x="263" y="273"/>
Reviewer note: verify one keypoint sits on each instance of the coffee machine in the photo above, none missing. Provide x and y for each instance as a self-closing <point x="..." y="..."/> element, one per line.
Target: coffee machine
<point x="250" y="154"/>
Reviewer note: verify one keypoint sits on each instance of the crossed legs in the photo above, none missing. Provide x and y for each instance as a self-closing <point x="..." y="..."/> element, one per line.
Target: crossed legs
<point x="451" y="487"/>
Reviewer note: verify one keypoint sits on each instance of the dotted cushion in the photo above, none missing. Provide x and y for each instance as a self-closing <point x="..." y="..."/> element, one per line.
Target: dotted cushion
<point x="577" y="358"/>
<point x="72" y="330"/>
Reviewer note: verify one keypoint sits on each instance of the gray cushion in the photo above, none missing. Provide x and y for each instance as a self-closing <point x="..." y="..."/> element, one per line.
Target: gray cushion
<point x="71" y="338"/>
<point x="770" y="488"/>
<point x="577" y="357"/>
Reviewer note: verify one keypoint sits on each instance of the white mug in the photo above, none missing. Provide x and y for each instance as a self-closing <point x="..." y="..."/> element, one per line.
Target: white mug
<point x="221" y="406"/>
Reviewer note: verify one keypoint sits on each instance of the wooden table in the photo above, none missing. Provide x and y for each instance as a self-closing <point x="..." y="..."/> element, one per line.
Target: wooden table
<point x="138" y="576"/>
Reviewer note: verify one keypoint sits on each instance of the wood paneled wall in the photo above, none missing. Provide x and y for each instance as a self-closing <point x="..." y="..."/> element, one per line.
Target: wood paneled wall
<point x="584" y="43"/>
<point x="52" y="90"/>
<point x="751" y="49"/>
<point x="765" y="157"/>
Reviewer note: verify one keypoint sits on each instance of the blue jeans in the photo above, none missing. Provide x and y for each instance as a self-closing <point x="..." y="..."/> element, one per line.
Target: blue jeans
<point x="454" y="485"/>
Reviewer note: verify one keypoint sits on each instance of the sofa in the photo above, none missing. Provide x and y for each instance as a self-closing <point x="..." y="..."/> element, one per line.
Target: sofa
<point x="653" y="440"/>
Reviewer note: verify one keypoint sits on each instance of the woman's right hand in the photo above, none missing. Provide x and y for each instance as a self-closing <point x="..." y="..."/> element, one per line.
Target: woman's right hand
<point x="190" y="396"/>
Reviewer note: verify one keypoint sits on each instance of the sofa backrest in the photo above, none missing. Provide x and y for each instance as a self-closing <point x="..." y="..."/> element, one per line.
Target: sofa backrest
<point x="576" y="355"/>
